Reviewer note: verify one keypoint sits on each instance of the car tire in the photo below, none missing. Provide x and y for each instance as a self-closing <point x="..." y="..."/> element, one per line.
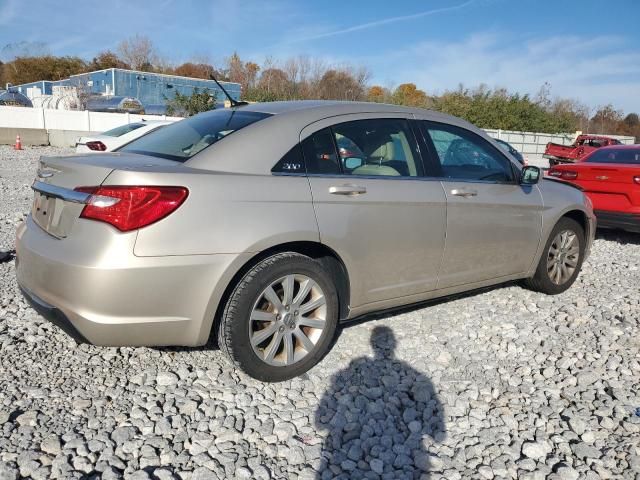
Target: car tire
<point x="261" y="333"/>
<point x="554" y="280"/>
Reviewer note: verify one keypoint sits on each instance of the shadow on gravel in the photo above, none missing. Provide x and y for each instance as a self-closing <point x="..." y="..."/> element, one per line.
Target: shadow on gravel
<point x="619" y="236"/>
<point x="378" y="412"/>
<point x="380" y="315"/>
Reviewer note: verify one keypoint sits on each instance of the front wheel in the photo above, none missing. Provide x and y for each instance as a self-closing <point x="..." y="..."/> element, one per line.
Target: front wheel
<point x="280" y="318"/>
<point x="561" y="260"/>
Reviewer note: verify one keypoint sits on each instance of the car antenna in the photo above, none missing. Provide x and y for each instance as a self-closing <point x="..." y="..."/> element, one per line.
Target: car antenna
<point x="234" y="103"/>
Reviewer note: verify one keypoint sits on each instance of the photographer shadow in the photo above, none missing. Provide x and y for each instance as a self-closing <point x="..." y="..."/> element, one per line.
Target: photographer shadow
<point x="378" y="413"/>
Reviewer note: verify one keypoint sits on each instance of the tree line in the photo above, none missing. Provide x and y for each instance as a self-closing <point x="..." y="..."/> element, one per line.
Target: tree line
<point x="301" y="78"/>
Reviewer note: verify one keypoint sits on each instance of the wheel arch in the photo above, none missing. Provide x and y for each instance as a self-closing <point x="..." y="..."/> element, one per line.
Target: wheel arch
<point x="328" y="257"/>
<point x="580" y="217"/>
<point x="573" y="212"/>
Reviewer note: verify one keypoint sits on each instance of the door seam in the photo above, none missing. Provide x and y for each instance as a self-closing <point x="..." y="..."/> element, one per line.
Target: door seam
<point x="446" y="231"/>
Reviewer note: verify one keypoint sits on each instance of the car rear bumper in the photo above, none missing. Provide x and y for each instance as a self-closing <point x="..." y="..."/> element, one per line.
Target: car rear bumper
<point x="115" y="298"/>
<point x="624" y="221"/>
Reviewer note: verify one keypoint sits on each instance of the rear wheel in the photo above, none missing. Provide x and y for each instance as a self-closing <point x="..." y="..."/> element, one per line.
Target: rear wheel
<point x="561" y="260"/>
<point x="281" y="317"/>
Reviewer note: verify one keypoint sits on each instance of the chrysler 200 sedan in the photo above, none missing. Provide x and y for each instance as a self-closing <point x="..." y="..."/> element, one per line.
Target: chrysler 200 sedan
<point x="267" y="225"/>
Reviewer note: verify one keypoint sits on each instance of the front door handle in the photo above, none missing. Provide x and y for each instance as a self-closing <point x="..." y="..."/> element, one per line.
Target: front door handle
<point x="347" y="190"/>
<point x="464" y="193"/>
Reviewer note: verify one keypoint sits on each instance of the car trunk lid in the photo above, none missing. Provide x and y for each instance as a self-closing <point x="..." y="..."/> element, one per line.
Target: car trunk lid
<point x="611" y="187"/>
<point x="56" y="205"/>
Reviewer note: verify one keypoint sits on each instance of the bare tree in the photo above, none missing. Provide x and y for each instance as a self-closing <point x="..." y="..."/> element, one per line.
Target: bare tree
<point x="139" y="52"/>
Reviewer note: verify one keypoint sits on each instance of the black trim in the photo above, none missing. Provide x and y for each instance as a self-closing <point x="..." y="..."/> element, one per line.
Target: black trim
<point x="291" y="162"/>
<point x="624" y="221"/>
<point x="336" y="149"/>
<point x="53" y="315"/>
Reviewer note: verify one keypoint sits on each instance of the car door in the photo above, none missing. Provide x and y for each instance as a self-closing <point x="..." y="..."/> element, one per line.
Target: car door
<point x="373" y="205"/>
<point x="493" y="223"/>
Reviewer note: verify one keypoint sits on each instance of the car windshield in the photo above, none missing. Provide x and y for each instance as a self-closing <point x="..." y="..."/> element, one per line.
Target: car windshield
<point x="182" y="140"/>
<point x="123" y="129"/>
<point x="618" y="155"/>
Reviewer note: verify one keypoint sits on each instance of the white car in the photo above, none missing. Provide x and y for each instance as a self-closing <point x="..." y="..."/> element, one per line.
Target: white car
<point x="117" y="137"/>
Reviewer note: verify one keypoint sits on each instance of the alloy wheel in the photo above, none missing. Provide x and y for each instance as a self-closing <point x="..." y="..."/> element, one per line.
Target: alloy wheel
<point x="287" y="320"/>
<point x="563" y="256"/>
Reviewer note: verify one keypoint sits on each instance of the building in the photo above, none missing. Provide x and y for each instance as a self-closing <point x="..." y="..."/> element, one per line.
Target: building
<point x="151" y="89"/>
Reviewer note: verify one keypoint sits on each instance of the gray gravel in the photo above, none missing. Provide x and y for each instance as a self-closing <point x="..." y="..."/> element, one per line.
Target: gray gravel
<point x="505" y="383"/>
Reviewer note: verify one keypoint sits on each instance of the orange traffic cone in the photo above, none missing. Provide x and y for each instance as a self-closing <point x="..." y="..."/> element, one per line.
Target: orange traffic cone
<point x="18" y="145"/>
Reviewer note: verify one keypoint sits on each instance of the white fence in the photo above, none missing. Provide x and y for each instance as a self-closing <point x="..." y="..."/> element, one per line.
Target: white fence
<point x="42" y="118"/>
<point x="532" y="144"/>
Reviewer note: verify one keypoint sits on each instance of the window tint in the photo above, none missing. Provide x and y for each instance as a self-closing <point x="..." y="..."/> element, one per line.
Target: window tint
<point x="618" y="155"/>
<point x="320" y="153"/>
<point x="123" y="129"/>
<point x="381" y="147"/>
<point x="182" y="140"/>
<point x="465" y="155"/>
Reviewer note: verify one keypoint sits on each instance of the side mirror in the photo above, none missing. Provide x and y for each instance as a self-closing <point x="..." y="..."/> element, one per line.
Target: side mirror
<point x="530" y="175"/>
<point x="352" y="162"/>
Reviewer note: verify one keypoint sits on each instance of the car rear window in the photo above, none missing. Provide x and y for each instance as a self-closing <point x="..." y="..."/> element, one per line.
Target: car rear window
<point x="182" y="140"/>
<point x="619" y="155"/>
<point x="123" y="129"/>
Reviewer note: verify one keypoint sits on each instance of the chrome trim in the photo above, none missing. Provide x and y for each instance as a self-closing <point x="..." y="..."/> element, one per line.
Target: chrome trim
<point x="395" y="178"/>
<point x="60" y="192"/>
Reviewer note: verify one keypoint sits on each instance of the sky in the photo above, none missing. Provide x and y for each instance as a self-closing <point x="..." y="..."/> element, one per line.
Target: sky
<point x="585" y="49"/>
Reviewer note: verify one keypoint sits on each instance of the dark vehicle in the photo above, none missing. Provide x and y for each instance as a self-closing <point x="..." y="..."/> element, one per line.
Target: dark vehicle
<point x="507" y="147"/>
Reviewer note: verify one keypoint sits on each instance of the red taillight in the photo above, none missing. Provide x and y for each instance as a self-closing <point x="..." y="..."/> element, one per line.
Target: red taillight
<point x="636" y="179"/>
<point x="96" y="146"/>
<point x="129" y="208"/>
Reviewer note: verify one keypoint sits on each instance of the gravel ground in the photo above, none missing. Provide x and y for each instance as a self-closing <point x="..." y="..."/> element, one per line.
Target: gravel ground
<point x="504" y="383"/>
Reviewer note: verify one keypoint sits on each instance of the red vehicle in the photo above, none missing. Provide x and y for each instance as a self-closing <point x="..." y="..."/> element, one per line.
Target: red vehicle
<point x="610" y="177"/>
<point x="584" y="145"/>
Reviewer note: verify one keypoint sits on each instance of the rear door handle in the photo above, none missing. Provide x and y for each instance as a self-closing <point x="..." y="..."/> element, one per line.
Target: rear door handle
<point x="347" y="190"/>
<point x="464" y="193"/>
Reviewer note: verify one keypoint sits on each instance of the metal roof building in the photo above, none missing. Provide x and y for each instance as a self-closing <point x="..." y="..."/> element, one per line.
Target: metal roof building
<point x="149" y="88"/>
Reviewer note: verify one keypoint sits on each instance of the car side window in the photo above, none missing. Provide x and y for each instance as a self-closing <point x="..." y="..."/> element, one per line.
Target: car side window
<point x="379" y="147"/>
<point x="464" y="155"/>
<point x="320" y="153"/>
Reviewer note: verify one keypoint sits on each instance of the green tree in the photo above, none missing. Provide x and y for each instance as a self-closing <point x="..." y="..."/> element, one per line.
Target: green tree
<point x="188" y="105"/>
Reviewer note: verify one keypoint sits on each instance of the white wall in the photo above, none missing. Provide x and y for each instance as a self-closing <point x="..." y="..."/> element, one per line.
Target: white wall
<point x="532" y="144"/>
<point x="19" y="117"/>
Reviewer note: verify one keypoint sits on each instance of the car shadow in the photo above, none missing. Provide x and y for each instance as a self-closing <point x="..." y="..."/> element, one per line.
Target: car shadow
<point x="619" y="236"/>
<point x="212" y="342"/>
<point x="377" y="413"/>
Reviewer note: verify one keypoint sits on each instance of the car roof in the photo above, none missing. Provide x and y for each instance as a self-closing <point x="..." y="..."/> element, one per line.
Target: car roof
<point x="631" y="146"/>
<point x="274" y="136"/>
<point x="328" y="108"/>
